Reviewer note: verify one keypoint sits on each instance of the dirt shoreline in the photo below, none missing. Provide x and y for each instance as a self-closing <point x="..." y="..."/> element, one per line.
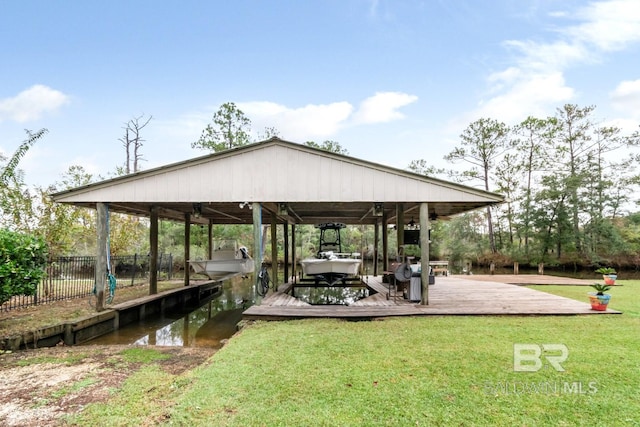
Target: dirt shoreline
<point x="39" y="387"/>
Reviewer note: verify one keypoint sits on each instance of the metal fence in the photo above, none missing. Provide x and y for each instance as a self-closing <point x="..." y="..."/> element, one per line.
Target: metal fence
<point x="74" y="277"/>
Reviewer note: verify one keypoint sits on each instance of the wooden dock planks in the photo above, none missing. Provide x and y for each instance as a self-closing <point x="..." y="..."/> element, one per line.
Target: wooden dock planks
<point x="451" y="295"/>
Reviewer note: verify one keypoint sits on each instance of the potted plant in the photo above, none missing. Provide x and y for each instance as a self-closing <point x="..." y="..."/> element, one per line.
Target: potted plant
<point x="599" y="299"/>
<point x="609" y="275"/>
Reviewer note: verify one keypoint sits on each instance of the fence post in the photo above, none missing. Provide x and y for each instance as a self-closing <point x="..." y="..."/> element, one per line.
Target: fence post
<point x="135" y="264"/>
<point x="516" y="268"/>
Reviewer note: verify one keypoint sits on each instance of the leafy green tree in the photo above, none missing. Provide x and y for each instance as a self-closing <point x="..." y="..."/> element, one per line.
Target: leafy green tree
<point x="598" y="183"/>
<point x="16" y="208"/>
<point x="57" y="224"/>
<point x="9" y="170"/>
<point x="328" y="145"/>
<point x="532" y="139"/>
<point x="128" y="234"/>
<point x="551" y="219"/>
<point x="508" y="174"/>
<point x="68" y="230"/>
<point x="22" y="261"/>
<point x="462" y="238"/>
<point x="269" y="132"/>
<point x="421" y="167"/>
<point x="629" y="229"/>
<point x="573" y="146"/>
<point x="483" y="143"/>
<point x="230" y="128"/>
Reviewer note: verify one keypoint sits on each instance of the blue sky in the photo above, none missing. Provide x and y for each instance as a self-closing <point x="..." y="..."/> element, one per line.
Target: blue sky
<point x="390" y="80"/>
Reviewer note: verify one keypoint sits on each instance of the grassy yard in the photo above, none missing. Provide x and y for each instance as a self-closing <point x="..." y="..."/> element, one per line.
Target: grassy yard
<point x="456" y="370"/>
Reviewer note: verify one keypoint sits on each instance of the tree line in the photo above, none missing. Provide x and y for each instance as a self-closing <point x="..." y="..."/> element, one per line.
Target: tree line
<point x="568" y="180"/>
<point x="569" y="184"/>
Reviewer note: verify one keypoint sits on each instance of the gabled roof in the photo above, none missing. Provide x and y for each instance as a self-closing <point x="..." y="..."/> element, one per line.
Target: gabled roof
<point x="316" y="185"/>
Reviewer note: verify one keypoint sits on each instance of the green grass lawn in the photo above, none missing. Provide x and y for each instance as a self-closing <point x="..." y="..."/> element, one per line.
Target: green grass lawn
<point x="455" y="370"/>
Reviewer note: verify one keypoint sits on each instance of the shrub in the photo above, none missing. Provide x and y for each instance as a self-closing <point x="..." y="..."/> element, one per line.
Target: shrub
<point x="22" y="262"/>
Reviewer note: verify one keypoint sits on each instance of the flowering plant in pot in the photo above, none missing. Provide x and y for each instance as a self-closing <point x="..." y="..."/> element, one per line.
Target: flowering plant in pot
<point x="609" y="275"/>
<point x="599" y="299"/>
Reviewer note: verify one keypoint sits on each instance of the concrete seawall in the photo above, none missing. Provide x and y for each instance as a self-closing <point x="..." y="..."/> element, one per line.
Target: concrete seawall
<point x="84" y="329"/>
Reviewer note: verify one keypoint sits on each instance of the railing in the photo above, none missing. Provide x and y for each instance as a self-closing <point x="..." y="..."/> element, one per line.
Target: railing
<point x="74" y="277"/>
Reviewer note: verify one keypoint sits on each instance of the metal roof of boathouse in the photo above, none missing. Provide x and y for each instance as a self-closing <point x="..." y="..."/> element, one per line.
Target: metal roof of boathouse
<point x="301" y="184"/>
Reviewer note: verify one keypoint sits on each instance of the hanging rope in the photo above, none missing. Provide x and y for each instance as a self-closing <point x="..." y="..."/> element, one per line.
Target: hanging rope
<point x="112" y="288"/>
<point x="111" y="279"/>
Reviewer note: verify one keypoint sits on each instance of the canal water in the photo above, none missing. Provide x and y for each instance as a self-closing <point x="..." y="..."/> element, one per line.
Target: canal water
<point x="217" y="319"/>
<point x="205" y="326"/>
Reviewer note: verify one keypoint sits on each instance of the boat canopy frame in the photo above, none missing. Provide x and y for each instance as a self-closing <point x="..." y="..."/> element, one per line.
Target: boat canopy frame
<point x="335" y="244"/>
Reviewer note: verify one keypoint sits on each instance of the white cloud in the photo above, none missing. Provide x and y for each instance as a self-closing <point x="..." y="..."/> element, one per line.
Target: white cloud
<point x="535" y="82"/>
<point x="298" y="124"/>
<point x="527" y="94"/>
<point x="32" y="103"/>
<point x="187" y="127"/>
<point x="609" y="25"/>
<point x="310" y="122"/>
<point x="558" y="14"/>
<point x="382" y="107"/>
<point x="626" y="97"/>
<point x="627" y="126"/>
<point x="549" y="56"/>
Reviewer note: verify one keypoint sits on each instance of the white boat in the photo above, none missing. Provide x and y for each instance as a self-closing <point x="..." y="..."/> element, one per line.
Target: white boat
<point x="330" y="266"/>
<point x="225" y="263"/>
<point x="313" y="266"/>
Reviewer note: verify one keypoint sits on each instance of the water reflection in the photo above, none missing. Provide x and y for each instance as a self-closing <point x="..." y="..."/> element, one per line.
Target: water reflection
<point x="204" y="326"/>
<point x="337" y="295"/>
<point x="217" y="319"/>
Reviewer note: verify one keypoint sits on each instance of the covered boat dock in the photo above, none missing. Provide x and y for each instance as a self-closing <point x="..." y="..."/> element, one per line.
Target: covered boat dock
<point x="286" y="184"/>
<point x="452" y="295"/>
<point x="280" y="184"/>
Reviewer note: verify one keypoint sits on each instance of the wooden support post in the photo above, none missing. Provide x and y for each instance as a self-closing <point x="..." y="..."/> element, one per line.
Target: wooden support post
<point x="293" y="251"/>
<point x="153" y="251"/>
<point x="376" y="241"/>
<point x="257" y="237"/>
<point x="541" y="268"/>
<point x="516" y="268"/>
<point x="286" y="251"/>
<point x="385" y="243"/>
<point x="492" y="268"/>
<point x="424" y="253"/>
<point x="135" y="263"/>
<point x="210" y="241"/>
<point x="274" y="248"/>
<point x="101" y="258"/>
<point x="400" y="227"/>
<point x="187" y="246"/>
